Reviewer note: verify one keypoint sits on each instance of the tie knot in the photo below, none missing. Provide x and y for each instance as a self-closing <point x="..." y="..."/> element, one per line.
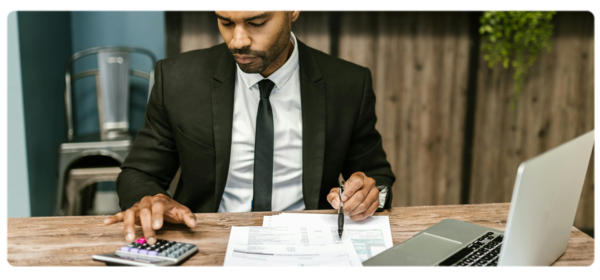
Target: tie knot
<point x="265" y="86"/>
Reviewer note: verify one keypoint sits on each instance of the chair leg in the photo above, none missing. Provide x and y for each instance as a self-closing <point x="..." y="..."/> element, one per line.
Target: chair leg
<point x="76" y="184"/>
<point x="86" y="198"/>
<point x="74" y="194"/>
<point x="62" y="173"/>
<point x="71" y="197"/>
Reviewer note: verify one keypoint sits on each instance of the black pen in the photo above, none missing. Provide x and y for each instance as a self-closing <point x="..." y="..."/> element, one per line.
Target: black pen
<point x="341" y="212"/>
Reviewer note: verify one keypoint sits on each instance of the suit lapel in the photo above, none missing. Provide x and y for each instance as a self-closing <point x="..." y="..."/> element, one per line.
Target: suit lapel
<point x="312" y="91"/>
<point x="222" y="90"/>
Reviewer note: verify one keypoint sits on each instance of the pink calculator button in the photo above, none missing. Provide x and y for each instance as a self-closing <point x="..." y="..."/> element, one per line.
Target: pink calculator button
<point x="141" y="240"/>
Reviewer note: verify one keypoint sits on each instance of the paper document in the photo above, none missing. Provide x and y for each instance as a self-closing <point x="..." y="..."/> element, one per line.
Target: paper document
<point x="369" y="237"/>
<point x="289" y="246"/>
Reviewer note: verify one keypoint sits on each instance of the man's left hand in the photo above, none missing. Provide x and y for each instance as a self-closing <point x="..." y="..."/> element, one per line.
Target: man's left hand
<point x="360" y="197"/>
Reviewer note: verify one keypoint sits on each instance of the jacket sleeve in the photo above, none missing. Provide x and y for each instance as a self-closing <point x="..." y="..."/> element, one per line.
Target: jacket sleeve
<point x="365" y="152"/>
<point x="153" y="159"/>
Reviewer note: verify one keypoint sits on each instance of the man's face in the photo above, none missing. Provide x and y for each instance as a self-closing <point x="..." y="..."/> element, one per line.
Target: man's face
<point x="255" y="39"/>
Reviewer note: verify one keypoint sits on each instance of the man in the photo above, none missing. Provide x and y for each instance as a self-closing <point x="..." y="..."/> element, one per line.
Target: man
<point x="259" y="123"/>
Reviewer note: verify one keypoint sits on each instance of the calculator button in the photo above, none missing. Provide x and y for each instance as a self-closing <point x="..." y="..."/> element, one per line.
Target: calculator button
<point x="152" y="253"/>
<point x="162" y="254"/>
<point x="143" y="252"/>
<point x="125" y="249"/>
<point x="134" y="250"/>
<point x="141" y="240"/>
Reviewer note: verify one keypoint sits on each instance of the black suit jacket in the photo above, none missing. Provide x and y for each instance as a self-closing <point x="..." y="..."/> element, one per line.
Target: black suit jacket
<point x="189" y="118"/>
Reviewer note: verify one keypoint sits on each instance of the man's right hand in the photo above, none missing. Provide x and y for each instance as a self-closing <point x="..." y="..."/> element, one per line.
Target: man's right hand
<point x="150" y="213"/>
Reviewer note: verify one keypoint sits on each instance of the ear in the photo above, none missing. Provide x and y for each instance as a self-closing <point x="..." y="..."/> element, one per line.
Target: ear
<point x="295" y="15"/>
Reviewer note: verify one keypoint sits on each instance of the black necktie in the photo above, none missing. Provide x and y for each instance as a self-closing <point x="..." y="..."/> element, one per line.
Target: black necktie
<point x="263" y="150"/>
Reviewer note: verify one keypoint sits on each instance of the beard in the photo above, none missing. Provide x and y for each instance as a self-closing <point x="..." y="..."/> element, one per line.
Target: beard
<point x="265" y="58"/>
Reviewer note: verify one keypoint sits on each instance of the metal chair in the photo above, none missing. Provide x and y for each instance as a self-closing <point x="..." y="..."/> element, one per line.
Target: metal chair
<point x="114" y="138"/>
<point x="80" y="178"/>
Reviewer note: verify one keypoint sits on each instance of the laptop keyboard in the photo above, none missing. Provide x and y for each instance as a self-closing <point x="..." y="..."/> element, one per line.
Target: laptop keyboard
<point x="482" y="252"/>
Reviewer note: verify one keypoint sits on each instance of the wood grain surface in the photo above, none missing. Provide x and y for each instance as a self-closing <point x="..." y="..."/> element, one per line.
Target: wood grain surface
<point x="419" y="63"/>
<point x="557" y="105"/>
<point x="199" y="30"/>
<point x="71" y="241"/>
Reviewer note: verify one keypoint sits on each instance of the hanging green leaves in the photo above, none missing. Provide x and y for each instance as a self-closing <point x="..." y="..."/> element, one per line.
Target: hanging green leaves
<point x="515" y="38"/>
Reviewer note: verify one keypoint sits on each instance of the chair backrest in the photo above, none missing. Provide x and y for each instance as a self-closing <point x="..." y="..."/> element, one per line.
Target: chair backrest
<point x="112" y="87"/>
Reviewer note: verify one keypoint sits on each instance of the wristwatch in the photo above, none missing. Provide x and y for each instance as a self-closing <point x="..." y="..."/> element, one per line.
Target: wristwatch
<point x="385" y="197"/>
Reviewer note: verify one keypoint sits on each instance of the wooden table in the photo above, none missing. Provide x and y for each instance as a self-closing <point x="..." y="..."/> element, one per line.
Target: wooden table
<point x="71" y="241"/>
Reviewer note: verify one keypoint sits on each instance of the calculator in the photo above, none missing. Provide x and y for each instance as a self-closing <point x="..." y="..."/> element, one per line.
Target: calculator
<point x="140" y="253"/>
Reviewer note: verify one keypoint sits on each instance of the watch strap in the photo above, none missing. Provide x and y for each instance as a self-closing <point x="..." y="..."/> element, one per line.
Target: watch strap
<point x="385" y="195"/>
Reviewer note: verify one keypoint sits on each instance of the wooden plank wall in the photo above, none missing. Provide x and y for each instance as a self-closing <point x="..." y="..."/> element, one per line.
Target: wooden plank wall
<point x="313" y="29"/>
<point x="199" y="30"/>
<point x="557" y="105"/>
<point x="420" y="67"/>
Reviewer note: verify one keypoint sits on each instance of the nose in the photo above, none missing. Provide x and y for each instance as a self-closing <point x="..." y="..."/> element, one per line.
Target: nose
<point x="240" y="38"/>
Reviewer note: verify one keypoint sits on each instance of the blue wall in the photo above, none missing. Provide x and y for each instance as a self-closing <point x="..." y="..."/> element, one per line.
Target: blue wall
<point x="93" y="29"/>
<point x="46" y="41"/>
<point x="18" y="182"/>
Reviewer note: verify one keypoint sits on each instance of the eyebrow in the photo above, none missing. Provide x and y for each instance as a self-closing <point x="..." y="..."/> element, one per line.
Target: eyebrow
<point x="263" y="15"/>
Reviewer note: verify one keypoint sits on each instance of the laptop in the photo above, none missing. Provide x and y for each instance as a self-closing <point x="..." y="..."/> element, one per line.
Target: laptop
<point x="542" y="211"/>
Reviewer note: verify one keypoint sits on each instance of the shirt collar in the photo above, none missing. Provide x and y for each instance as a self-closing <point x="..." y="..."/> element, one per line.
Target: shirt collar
<point x="280" y="76"/>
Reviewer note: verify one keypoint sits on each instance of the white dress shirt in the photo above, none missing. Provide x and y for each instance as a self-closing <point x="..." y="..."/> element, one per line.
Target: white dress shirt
<point x="287" y="123"/>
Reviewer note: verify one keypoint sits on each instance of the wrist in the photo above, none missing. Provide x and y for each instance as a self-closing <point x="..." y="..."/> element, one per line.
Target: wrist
<point x="385" y="197"/>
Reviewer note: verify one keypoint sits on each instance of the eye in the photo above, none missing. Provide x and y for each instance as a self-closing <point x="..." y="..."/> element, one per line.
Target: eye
<point x="226" y="24"/>
<point x="257" y="24"/>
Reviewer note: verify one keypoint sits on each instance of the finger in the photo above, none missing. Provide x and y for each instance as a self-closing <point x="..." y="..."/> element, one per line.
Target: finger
<point x="158" y="210"/>
<point x="190" y="220"/>
<point x="368" y="213"/>
<point x="128" y="224"/>
<point x="146" y="220"/>
<point x="185" y="215"/>
<point x="353" y="202"/>
<point x="117" y="218"/>
<point x="364" y="205"/>
<point x="354" y="184"/>
<point x="334" y="198"/>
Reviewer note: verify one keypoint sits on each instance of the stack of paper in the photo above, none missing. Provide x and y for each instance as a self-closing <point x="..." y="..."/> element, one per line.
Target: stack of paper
<point x="288" y="246"/>
<point x="297" y="239"/>
<point x="369" y="237"/>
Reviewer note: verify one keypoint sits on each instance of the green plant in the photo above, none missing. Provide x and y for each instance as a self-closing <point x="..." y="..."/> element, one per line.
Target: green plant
<point x="515" y="38"/>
